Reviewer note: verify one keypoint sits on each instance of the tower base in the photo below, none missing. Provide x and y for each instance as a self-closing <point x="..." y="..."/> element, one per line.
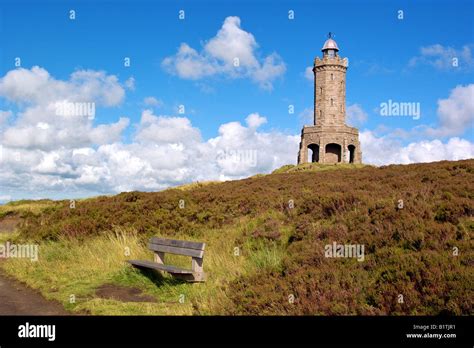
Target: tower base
<point x="330" y="144"/>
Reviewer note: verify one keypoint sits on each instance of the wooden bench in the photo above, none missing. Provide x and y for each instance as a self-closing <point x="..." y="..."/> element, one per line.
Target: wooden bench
<point x="162" y="246"/>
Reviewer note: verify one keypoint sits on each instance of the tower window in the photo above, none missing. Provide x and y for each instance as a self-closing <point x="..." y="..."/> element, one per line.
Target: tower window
<point x="332" y="76"/>
<point x="332" y="102"/>
<point x="320" y="90"/>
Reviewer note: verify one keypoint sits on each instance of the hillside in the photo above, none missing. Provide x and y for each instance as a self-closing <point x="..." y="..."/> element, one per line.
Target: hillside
<point x="266" y="240"/>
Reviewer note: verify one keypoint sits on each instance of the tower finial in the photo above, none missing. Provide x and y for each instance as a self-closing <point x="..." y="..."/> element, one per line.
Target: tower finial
<point x="330" y="35"/>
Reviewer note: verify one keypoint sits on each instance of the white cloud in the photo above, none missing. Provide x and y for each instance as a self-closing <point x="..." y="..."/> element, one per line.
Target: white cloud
<point x="356" y="116"/>
<point x="38" y="123"/>
<point x="442" y="57"/>
<point x="43" y="152"/>
<point x="50" y="155"/>
<point x="166" y="130"/>
<point x="255" y="120"/>
<point x="243" y="151"/>
<point x="456" y="113"/>
<point x="271" y="68"/>
<point x="232" y="42"/>
<point x="189" y="64"/>
<point x="108" y="133"/>
<point x="387" y="150"/>
<point x="232" y="52"/>
<point x="36" y="86"/>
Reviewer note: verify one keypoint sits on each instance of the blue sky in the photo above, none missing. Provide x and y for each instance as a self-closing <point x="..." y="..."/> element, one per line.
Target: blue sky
<point x="406" y="60"/>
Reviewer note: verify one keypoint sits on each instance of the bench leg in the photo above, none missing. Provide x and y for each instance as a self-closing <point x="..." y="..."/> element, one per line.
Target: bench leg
<point x="196" y="265"/>
<point x="160" y="257"/>
<point x="198" y="270"/>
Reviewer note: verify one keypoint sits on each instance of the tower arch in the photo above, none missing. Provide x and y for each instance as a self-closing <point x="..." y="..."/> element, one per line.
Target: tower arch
<point x="313" y="149"/>
<point x="333" y="153"/>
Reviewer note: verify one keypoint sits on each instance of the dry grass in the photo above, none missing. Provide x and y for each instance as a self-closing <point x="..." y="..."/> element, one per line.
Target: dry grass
<point x="67" y="267"/>
<point x="195" y="185"/>
<point x="26" y="206"/>
<point x="316" y="167"/>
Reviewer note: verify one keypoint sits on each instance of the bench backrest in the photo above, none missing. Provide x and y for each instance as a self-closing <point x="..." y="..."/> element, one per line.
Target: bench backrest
<point x="177" y="247"/>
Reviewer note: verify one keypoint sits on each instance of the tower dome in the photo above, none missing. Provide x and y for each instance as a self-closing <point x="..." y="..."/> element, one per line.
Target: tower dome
<point x="330" y="44"/>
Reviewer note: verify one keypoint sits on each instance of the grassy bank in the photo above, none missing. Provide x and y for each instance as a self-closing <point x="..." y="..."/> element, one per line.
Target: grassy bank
<point x="68" y="267"/>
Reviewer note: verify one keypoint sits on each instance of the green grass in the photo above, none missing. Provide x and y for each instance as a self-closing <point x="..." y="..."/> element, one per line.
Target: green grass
<point x="194" y="185"/>
<point x="316" y="167"/>
<point x="26" y="206"/>
<point x="67" y="267"/>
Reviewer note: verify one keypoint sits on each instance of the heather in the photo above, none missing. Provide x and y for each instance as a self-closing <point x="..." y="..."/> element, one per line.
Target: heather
<point x="267" y="235"/>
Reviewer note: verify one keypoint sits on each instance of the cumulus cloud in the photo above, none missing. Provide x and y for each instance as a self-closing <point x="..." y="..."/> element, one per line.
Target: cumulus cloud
<point x="45" y="154"/>
<point x="243" y="151"/>
<point x="166" y="130"/>
<point x="443" y="57"/>
<point x="231" y="42"/>
<point x="187" y="63"/>
<point x="455" y="113"/>
<point x="255" y="120"/>
<point x="165" y="151"/>
<point x="41" y="124"/>
<point x="232" y="52"/>
<point x="36" y="86"/>
<point x="387" y="150"/>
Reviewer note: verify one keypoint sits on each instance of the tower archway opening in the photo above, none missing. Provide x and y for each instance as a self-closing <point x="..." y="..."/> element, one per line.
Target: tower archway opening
<point x="313" y="153"/>
<point x="351" y="149"/>
<point x="332" y="153"/>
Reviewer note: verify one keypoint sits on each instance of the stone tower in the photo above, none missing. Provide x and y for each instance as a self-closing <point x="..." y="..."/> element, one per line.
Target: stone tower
<point x="330" y="139"/>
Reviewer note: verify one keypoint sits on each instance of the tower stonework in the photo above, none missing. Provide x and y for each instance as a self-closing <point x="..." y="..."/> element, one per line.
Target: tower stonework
<point x="330" y="139"/>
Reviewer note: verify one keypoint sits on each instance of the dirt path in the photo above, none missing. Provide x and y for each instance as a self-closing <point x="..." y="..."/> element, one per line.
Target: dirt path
<point x="15" y="297"/>
<point x="18" y="299"/>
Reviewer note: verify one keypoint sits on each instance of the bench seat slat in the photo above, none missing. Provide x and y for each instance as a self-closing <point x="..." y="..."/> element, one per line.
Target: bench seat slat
<point x="176" y="250"/>
<point x="161" y="267"/>
<point x="178" y="243"/>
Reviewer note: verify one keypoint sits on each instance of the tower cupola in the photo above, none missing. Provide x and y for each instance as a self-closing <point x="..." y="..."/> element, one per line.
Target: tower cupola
<point x="330" y="47"/>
